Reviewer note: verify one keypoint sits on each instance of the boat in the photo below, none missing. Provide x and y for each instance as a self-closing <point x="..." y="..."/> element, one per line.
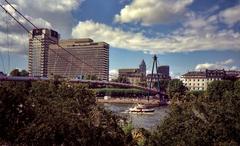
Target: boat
<point x="140" y="108"/>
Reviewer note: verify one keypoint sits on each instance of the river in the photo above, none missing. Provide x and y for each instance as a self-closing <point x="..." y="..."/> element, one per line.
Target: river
<point x="148" y="121"/>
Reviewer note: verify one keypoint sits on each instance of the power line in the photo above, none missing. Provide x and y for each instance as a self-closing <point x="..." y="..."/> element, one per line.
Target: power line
<point x="31" y="32"/>
<point x="50" y="38"/>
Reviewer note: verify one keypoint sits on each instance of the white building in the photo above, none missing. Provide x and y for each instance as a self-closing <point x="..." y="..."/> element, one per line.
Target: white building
<point x="199" y="80"/>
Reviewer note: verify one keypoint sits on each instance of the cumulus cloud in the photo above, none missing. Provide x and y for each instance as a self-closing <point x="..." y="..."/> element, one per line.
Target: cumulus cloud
<point x="153" y="11"/>
<point x="113" y="74"/>
<point x="12" y="37"/>
<point x="231" y="15"/>
<point x="185" y="40"/>
<point x="50" y="5"/>
<point x="55" y="14"/>
<point x="226" y="64"/>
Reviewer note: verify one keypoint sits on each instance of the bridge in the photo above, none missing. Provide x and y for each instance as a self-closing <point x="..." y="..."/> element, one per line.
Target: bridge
<point x="95" y="82"/>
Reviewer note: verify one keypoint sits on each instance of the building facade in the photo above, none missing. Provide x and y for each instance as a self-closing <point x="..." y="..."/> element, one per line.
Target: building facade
<point x="39" y="41"/>
<point x="163" y="71"/>
<point x="135" y="76"/>
<point x="162" y="74"/>
<point x="199" y="80"/>
<point x="143" y="68"/>
<point x="91" y="59"/>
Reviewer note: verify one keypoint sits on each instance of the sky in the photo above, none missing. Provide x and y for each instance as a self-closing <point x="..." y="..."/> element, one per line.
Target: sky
<point x="185" y="34"/>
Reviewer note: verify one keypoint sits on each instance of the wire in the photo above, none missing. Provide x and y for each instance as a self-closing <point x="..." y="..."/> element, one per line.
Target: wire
<point x="32" y="33"/>
<point x="2" y="61"/>
<point x="50" y="38"/>
<point x="8" y="45"/>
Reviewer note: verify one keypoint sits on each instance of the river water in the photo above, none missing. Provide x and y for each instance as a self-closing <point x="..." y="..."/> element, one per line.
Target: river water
<point x="148" y="121"/>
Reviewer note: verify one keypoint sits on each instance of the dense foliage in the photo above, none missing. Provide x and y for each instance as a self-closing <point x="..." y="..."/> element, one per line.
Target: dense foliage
<point x="43" y="113"/>
<point x="208" y="119"/>
<point x="163" y="85"/>
<point x="16" y="72"/>
<point x="175" y="88"/>
<point x="118" y="92"/>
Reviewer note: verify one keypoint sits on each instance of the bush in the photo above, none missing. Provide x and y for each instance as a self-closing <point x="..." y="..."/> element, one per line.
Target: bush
<point x="206" y="121"/>
<point x="44" y="113"/>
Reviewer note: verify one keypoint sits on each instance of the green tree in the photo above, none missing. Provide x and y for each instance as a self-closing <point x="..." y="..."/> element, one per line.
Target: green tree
<point x="15" y="72"/>
<point x="44" y="113"/>
<point x="217" y="89"/>
<point x="175" y="87"/>
<point x="163" y="85"/>
<point x="203" y="121"/>
<point x="24" y="73"/>
<point x="121" y="79"/>
<point x="91" y="77"/>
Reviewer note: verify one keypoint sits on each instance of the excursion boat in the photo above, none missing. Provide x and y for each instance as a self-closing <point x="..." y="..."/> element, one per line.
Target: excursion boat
<point x="140" y="108"/>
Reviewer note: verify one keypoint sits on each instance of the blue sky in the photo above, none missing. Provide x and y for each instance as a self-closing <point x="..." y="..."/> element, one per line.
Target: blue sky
<point x="185" y="34"/>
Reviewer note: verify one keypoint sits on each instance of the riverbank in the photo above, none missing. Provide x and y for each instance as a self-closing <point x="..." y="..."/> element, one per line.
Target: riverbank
<point x="129" y="101"/>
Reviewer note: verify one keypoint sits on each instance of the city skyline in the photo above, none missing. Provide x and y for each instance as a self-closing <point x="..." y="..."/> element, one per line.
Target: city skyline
<point x="186" y="35"/>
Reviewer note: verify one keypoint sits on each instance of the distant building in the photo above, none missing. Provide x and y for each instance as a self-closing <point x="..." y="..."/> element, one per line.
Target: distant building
<point x="199" y="80"/>
<point x="136" y="76"/>
<point x="39" y="41"/>
<point x="163" y="71"/>
<point x="95" y="56"/>
<point x="143" y="68"/>
<point x="162" y="74"/>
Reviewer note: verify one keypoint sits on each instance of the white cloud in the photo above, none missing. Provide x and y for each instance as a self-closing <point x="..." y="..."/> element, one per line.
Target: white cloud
<point x="226" y="64"/>
<point x="153" y="11"/>
<point x="113" y="74"/>
<point x="55" y="14"/>
<point x="184" y="40"/>
<point x="16" y="43"/>
<point x="50" y="5"/>
<point x="231" y="15"/>
<point x="12" y="37"/>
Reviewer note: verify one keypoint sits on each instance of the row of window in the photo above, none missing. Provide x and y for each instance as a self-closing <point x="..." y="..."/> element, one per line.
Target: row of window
<point x="194" y="88"/>
<point x="209" y="79"/>
<point x="194" y="84"/>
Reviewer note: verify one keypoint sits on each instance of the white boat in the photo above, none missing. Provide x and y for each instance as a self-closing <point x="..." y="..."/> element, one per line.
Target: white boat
<point x="140" y="108"/>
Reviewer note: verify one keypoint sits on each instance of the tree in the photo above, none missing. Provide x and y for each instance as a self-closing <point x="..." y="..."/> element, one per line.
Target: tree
<point x="91" y="77"/>
<point x="175" y="87"/>
<point x="217" y="89"/>
<point x="203" y="121"/>
<point x="24" y="73"/>
<point x="15" y="72"/>
<point x="121" y="79"/>
<point x="163" y="85"/>
<point x="49" y="113"/>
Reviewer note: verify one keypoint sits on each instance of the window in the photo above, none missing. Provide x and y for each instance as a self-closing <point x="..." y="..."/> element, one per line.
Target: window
<point x="198" y="80"/>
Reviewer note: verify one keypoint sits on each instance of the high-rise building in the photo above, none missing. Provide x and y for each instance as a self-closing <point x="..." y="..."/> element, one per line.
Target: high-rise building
<point x="39" y="41"/>
<point x="91" y="59"/>
<point x="163" y="71"/>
